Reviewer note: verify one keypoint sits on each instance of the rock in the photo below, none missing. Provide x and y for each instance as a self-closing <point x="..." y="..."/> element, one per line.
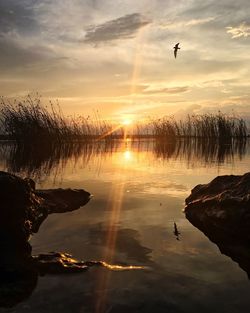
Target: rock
<point x="23" y="208"/>
<point x="63" y="200"/>
<point x="22" y="211"/>
<point x="221" y="210"/>
<point x="58" y="263"/>
<point x="224" y="204"/>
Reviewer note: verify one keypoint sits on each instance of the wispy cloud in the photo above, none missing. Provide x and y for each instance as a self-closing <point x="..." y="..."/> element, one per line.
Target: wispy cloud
<point x="188" y="23"/>
<point x="242" y="30"/>
<point x="121" y="28"/>
<point x="173" y="90"/>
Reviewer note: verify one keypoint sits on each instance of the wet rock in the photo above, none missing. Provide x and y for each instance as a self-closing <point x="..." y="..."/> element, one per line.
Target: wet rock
<point x="58" y="263"/>
<point x="221" y="210"/>
<point x="23" y="208"/>
<point x="63" y="200"/>
<point x="22" y="211"/>
<point x="223" y="204"/>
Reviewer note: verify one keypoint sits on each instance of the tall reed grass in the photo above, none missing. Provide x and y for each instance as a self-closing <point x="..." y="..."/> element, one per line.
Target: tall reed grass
<point x="212" y="126"/>
<point x="28" y="120"/>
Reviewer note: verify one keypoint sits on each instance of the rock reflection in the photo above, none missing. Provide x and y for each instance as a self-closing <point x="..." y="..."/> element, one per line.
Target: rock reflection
<point x="238" y="249"/>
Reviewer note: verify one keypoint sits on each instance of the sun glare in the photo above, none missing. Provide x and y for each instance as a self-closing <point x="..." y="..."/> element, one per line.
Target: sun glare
<point x="127" y="122"/>
<point x="127" y="155"/>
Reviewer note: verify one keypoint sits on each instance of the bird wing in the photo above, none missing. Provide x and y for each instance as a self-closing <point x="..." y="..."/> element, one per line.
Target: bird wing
<point x="175" y="53"/>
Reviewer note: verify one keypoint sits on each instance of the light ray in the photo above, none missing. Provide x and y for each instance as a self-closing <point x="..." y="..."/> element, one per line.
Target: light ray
<point x="115" y="201"/>
<point x="110" y="132"/>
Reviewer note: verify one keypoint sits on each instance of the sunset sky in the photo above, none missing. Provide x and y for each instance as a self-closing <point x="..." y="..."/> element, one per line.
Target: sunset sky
<point x="117" y="56"/>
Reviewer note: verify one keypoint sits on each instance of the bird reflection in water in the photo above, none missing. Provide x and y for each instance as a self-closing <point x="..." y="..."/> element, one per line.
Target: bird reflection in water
<point x="176" y="232"/>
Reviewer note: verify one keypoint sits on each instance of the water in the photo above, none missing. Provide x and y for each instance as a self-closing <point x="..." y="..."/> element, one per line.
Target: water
<point x="138" y="194"/>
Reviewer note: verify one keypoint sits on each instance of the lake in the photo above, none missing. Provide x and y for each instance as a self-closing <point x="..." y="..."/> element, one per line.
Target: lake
<point x="139" y="190"/>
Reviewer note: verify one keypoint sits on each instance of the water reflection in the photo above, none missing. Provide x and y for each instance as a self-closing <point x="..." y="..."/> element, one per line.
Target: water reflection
<point x="176" y="232"/>
<point x="38" y="162"/>
<point x="234" y="246"/>
<point x="135" y="217"/>
<point x="206" y="151"/>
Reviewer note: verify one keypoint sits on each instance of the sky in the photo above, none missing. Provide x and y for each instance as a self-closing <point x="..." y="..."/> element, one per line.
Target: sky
<point x="116" y="57"/>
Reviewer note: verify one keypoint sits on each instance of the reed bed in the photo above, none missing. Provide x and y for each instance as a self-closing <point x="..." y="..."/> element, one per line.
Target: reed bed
<point x="212" y="126"/>
<point x="28" y="120"/>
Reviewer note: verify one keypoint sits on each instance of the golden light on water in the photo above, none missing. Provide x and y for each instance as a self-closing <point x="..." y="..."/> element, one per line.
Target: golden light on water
<point x="127" y="155"/>
<point x="122" y="267"/>
<point x="115" y="206"/>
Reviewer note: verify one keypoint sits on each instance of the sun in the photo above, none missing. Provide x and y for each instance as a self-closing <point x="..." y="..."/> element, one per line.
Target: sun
<point x="127" y="121"/>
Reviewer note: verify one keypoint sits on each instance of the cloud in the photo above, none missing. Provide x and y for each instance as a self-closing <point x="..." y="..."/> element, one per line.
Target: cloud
<point x="242" y="30"/>
<point x="17" y="17"/>
<point x="173" y="90"/>
<point x="188" y="23"/>
<point x="121" y="28"/>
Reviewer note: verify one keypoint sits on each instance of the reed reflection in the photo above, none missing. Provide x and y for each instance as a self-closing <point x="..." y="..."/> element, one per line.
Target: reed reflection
<point x="208" y="152"/>
<point x="40" y="162"/>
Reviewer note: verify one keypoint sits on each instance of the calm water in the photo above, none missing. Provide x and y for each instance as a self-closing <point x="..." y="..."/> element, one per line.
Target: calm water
<point x="138" y="193"/>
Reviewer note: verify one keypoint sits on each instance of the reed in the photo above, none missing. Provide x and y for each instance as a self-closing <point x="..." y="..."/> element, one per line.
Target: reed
<point x="29" y="120"/>
<point x="212" y="126"/>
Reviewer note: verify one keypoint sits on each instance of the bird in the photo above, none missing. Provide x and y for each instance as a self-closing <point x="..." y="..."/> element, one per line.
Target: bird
<point x="176" y="47"/>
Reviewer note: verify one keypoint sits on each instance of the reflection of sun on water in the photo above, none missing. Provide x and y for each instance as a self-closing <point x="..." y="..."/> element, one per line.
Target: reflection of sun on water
<point x="115" y="202"/>
<point x="127" y="155"/>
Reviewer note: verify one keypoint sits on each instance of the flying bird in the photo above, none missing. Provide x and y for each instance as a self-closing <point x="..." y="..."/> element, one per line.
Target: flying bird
<point x="176" y="47"/>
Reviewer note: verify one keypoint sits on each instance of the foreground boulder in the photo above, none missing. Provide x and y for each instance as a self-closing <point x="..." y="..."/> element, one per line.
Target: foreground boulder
<point x="221" y="210"/>
<point x="23" y="208"/>
<point x="22" y="211"/>
<point x="224" y="204"/>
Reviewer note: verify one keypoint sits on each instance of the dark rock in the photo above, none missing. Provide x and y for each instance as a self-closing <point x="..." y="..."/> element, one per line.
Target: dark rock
<point x="224" y="204"/>
<point x="23" y="208"/>
<point x="63" y="200"/>
<point x="221" y="210"/>
<point x="22" y="211"/>
<point x="18" y="285"/>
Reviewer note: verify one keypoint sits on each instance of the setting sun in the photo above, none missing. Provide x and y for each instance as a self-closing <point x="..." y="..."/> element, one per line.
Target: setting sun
<point x="127" y="122"/>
